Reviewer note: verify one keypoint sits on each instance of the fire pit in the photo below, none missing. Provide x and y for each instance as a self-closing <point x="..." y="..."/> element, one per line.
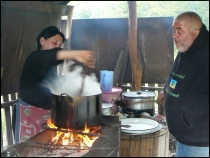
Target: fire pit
<point x="106" y="144"/>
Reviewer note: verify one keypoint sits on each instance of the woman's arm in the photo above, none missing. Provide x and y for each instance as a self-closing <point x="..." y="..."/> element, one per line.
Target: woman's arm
<point x="83" y="56"/>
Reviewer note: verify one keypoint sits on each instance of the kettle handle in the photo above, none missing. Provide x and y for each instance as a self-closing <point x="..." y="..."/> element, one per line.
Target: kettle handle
<point x="70" y="98"/>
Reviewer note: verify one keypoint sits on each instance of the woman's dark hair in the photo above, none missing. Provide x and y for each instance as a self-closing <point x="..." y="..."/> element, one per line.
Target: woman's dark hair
<point x="47" y="33"/>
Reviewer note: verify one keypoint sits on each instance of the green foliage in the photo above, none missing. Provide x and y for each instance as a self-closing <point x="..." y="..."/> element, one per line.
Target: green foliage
<point x="119" y="9"/>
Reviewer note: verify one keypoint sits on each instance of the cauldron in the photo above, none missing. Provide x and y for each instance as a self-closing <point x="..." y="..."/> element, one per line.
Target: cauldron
<point x="73" y="112"/>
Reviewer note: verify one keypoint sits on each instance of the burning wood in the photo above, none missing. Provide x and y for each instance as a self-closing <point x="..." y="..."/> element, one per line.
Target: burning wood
<point x="85" y="138"/>
<point x="48" y="143"/>
<point x="55" y="150"/>
<point x="68" y="142"/>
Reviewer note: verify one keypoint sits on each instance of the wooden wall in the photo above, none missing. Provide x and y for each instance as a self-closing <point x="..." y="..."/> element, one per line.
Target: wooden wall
<point x="107" y="37"/>
<point x="21" y="22"/>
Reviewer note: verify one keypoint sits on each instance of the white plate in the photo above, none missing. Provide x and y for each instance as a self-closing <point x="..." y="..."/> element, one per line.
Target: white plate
<point x="142" y="132"/>
<point x="138" y="124"/>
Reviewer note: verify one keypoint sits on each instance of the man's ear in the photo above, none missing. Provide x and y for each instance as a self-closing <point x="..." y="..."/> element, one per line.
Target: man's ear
<point x="196" y="33"/>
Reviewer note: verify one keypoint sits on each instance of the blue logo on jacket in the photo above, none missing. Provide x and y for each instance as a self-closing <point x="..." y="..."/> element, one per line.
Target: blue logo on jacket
<point x="173" y="83"/>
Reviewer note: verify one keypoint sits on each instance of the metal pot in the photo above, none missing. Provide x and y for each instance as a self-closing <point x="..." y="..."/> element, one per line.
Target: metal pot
<point x="139" y="100"/>
<point x="107" y="108"/>
<point x="74" y="111"/>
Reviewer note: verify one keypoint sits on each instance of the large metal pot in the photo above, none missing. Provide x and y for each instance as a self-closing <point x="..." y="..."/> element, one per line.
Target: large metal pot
<point x="74" y="111"/>
<point x="139" y="100"/>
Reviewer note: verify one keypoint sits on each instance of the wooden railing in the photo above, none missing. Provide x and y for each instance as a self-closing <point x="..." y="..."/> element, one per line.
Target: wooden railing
<point x="145" y="86"/>
<point x="7" y="135"/>
<point x="7" y="101"/>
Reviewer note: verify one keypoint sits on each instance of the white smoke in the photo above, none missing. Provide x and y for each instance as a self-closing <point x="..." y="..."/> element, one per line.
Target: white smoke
<point x="71" y="84"/>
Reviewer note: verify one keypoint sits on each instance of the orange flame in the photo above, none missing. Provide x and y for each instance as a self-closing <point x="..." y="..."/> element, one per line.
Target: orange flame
<point x="50" y="124"/>
<point x="67" y="138"/>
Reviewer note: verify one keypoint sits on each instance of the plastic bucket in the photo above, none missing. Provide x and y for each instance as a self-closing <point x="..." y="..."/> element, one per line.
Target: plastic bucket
<point x="113" y="95"/>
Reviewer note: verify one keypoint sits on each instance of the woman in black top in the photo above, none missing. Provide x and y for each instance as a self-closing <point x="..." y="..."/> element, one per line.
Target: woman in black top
<point x="34" y="104"/>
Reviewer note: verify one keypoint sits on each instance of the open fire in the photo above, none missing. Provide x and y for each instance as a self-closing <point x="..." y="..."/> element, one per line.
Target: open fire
<point x="95" y="141"/>
<point x="72" y="137"/>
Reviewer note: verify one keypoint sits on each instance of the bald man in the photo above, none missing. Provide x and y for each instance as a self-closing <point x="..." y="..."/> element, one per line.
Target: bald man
<point x="186" y="92"/>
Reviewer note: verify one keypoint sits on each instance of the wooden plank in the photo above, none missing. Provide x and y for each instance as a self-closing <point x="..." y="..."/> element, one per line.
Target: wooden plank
<point x="5" y="98"/>
<point x="144" y="147"/>
<point x="13" y="96"/>
<point x="1" y="134"/>
<point x="17" y="95"/>
<point x="8" y="103"/>
<point x="124" y="66"/>
<point x="164" y="143"/>
<point x="145" y="88"/>
<point x="2" y="70"/>
<point x="117" y="69"/>
<point x="9" y="126"/>
<point x="8" y="120"/>
<point x="132" y="148"/>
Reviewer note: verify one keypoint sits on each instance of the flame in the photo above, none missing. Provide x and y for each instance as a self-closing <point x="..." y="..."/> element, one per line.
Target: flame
<point x="69" y="138"/>
<point x="50" y="124"/>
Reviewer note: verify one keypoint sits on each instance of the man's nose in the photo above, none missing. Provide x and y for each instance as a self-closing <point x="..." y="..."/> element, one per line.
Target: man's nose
<point x="174" y="35"/>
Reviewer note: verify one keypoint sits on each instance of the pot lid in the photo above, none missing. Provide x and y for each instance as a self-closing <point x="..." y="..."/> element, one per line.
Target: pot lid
<point x="139" y="94"/>
<point x="106" y="105"/>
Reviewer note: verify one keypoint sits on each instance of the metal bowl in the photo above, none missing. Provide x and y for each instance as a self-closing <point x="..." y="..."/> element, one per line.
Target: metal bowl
<point x="107" y="108"/>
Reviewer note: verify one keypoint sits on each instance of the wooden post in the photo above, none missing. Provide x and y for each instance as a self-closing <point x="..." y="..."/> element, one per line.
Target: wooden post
<point x="133" y="50"/>
<point x="69" y="13"/>
<point x="2" y="70"/>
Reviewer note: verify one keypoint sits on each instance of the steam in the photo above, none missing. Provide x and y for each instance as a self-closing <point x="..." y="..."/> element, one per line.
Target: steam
<point x="71" y="84"/>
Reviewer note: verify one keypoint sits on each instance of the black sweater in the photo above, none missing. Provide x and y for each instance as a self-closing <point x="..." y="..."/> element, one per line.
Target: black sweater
<point x="39" y="66"/>
<point x="186" y="100"/>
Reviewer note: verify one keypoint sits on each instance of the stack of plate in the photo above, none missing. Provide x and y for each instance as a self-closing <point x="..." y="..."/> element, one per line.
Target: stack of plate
<point x="139" y="126"/>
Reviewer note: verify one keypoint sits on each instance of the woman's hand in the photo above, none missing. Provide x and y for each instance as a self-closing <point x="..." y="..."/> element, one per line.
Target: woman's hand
<point x="85" y="57"/>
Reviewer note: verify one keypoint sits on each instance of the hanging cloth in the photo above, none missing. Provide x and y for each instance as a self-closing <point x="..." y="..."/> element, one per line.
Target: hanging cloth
<point x="29" y="120"/>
